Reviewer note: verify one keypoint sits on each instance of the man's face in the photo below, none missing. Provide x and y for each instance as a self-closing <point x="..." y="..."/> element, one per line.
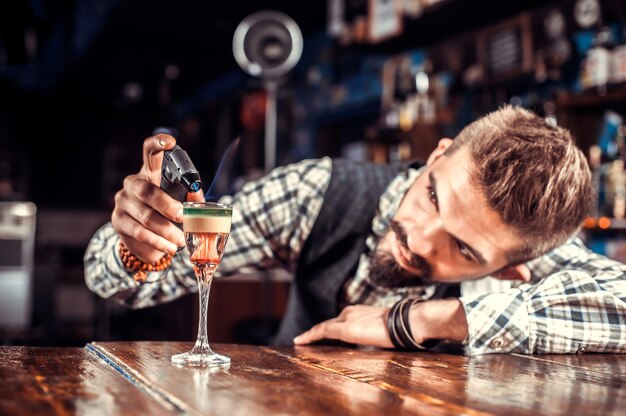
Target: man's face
<point x="443" y="230"/>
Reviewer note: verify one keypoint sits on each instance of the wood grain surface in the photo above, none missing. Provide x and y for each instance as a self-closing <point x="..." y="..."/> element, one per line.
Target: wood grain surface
<point x="260" y="381"/>
<point x="66" y="381"/>
<point x="340" y="380"/>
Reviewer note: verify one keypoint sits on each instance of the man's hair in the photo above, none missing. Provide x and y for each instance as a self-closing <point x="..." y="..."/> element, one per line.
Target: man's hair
<point x="531" y="173"/>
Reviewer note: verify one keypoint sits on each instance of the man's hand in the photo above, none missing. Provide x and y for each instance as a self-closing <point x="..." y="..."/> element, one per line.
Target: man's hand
<point x="143" y="211"/>
<point x="367" y="325"/>
<point x="359" y="324"/>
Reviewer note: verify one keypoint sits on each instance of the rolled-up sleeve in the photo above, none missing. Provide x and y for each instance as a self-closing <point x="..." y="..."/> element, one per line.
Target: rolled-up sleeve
<point x="563" y="313"/>
<point x="272" y="218"/>
<point x="106" y="276"/>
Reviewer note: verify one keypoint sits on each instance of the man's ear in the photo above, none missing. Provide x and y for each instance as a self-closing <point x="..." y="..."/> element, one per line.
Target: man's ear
<point x="442" y="146"/>
<point x="519" y="272"/>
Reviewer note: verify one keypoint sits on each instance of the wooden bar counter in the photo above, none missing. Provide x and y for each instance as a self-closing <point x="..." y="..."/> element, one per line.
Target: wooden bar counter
<point x="129" y="378"/>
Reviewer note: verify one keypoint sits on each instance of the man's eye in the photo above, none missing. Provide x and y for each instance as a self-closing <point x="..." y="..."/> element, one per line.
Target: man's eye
<point x="432" y="195"/>
<point x="465" y="252"/>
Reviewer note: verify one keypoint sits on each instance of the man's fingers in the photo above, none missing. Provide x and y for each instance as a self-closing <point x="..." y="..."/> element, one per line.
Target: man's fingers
<point x="155" y="222"/>
<point x="153" y="148"/>
<point x="152" y="196"/>
<point x="145" y="253"/>
<point x="330" y="329"/>
<point x="358" y="324"/>
<point x="142" y="242"/>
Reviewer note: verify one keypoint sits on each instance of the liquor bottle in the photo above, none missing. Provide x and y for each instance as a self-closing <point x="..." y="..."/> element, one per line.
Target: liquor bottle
<point x="608" y="138"/>
<point x="595" y="163"/>
<point x="597" y="64"/>
<point x="618" y="66"/>
<point x="616" y="189"/>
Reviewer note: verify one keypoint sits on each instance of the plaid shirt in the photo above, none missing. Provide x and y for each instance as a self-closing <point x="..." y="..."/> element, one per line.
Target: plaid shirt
<point x="577" y="298"/>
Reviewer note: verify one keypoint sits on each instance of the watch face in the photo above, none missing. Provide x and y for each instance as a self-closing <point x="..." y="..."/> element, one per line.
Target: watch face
<point x="554" y="24"/>
<point x="587" y="13"/>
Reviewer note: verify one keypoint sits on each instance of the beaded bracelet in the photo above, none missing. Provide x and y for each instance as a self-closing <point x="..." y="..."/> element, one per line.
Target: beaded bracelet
<point x="139" y="268"/>
<point x="400" y="330"/>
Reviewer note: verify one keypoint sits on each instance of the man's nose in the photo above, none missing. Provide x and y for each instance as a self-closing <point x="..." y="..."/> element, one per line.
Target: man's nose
<point x="424" y="240"/>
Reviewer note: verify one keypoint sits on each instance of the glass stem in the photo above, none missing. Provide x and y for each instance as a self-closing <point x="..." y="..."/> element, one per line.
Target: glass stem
<point x="205" y="277"/>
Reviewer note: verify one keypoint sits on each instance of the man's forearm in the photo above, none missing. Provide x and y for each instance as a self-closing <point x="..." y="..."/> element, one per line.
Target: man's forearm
<point x="438" y="319"/>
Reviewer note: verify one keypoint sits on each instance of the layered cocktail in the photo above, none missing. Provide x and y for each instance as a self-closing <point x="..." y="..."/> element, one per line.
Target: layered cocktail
<point x="206" y="226"/>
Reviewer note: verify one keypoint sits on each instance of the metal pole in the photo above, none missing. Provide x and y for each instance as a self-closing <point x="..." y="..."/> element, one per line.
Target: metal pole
<point x="270" y="163"/>
<point x="270" y="125"/>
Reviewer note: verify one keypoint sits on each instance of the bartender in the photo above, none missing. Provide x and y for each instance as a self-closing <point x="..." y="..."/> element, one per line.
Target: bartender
<point x="381" y="254"/>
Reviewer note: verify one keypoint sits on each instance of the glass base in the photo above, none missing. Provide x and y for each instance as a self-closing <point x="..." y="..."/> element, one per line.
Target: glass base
<point x="201" y="359"/>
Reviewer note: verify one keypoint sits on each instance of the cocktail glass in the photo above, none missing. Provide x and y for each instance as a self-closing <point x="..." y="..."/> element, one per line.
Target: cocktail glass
<point x="206" y="226"/>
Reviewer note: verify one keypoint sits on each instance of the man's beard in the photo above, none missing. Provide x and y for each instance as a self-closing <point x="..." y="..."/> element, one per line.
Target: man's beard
<point x="385" y="270"/>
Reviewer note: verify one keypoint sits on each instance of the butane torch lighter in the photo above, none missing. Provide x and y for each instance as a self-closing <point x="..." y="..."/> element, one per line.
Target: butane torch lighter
<point x="178" y="174"/>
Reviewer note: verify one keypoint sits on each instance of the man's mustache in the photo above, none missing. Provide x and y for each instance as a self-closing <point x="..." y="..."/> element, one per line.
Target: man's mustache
<point x="415" y="260"/>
